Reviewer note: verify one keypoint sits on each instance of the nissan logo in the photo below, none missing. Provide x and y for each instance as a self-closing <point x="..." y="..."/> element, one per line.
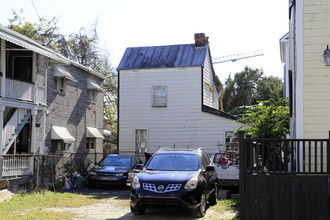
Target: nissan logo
<point x="160" y="188"/>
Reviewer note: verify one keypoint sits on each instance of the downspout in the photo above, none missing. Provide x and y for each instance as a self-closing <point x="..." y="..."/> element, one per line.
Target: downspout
<point x="44" y="113"/>
<point x="118" y="89"/>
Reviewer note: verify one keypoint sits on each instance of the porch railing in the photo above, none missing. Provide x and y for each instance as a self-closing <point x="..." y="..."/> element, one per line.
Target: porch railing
<point x="12" y="125"/>
<point x="17" y="89"/>
<point x="16" y="165"/>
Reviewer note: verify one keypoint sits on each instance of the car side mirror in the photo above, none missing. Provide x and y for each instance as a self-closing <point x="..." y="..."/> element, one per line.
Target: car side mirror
<point x="209" y="168"/>
<point x="139" y="166"/>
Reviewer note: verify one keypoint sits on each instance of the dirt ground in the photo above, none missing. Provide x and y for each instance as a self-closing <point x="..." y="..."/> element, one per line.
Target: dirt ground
<point x="119" y="209"/>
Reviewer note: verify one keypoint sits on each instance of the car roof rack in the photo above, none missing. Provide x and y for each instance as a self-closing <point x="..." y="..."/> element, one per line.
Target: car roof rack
<point x="173" y="149"/>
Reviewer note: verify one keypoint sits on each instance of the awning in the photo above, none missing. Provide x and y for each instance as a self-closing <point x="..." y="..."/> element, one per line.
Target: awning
<point x="62" y="72"/>
<point x="106" y="132"/>
<point x="92" y="85"/>
<point x="61" y="133"/>
<point x="93" y="133"/>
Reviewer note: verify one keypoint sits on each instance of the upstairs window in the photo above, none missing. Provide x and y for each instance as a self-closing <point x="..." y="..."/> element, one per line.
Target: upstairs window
<point x="62" y="75"/>
<point x="19" y="65"/>
<point x="59" y="84"/>
<point x="159" y="96"/>
<point x="91" y="95"/>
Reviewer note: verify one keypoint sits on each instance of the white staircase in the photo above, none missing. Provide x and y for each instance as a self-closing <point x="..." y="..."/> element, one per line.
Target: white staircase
<point x="14" y="127"/>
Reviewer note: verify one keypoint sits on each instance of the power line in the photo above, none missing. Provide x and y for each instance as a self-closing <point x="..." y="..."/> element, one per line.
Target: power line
<point x="35" y="9"/>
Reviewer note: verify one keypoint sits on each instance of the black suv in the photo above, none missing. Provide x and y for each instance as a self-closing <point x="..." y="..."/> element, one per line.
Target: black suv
<point x="175" y="178"/>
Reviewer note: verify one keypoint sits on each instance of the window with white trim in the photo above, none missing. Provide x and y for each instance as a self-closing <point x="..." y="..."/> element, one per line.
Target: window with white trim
<point x="59" y="146"/>
<point x="159" y="96"/>
<point x="141" y="140"/>
<point x="90" y="143"/>
<point x="59" y="84"/>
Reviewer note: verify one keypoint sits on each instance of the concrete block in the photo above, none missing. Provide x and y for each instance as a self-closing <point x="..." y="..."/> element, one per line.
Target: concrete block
<point x="5" y="195"/>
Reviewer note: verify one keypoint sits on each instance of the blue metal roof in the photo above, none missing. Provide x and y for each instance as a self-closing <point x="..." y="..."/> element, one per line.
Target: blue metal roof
<point x="184" y="55"/>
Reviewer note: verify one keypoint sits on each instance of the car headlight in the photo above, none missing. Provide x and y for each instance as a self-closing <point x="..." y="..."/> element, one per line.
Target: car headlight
<point x="136" y="183"/>
<point x="131" y="175"/>
<point x="92" y="173"/>
<point x="191" y="184"/>
<point x="119" y="174"/>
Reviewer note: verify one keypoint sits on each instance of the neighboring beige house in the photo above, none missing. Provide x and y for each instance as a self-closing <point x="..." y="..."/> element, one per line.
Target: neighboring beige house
<point x="167" y="99"/>
<point x="307" y="78"/>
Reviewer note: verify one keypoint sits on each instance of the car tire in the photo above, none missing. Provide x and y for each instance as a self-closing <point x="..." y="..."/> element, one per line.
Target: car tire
<point x="213" y="200"/>
<point x="201" y="209"/>
<point x="91" y="185"/>
<point x="137" y="211"/>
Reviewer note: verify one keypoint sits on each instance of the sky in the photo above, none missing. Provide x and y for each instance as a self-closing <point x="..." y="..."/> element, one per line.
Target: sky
<point x="232" y="26"/>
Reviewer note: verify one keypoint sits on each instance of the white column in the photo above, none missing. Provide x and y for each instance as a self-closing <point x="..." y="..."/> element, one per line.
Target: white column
<point x="3" y="67"/>
<point x="2" y="109"/>
<point x="34" y="113"/>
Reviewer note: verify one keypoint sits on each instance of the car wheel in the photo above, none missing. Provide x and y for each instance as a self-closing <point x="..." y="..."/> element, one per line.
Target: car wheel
<point x="91" y="185"/>
<point x="201" y="209"/>
<point x="214" y="197"/>
<point x="137" y="211"/>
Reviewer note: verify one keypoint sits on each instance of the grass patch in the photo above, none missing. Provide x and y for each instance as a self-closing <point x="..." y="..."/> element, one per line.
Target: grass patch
<point x="224" y="209"/>
<point x="29" y="206"/>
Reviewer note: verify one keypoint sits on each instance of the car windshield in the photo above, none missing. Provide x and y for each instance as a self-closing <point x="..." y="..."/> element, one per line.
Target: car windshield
<point x="116" y="161"/>
<point x="179" y="162"/>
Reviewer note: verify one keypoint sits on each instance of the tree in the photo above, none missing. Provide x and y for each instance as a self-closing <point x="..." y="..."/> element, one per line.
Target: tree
<point x="269" y="87"/>
<point x="84" y="48"/>
<point x="269" y="119"/>
<point x="240" y="90"/>
<point x="248" y="87"/>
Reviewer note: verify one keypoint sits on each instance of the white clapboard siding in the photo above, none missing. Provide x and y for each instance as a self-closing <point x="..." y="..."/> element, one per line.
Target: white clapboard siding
<point x="181" y="123"/>
<point x="210" y="98"/>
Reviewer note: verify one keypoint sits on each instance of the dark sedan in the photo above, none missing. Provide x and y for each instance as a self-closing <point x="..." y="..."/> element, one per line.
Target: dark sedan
<point x="112" y="170"/>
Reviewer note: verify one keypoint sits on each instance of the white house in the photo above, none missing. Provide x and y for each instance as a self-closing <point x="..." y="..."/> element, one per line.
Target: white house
<point x="167" y="99"/>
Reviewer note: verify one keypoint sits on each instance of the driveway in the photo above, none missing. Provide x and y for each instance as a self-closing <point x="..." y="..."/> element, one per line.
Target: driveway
<point x="118" y="208"/>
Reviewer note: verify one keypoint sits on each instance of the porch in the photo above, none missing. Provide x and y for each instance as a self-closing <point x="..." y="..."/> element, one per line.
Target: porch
<point x="23" y="91"/>
<point x="17" y="169"/>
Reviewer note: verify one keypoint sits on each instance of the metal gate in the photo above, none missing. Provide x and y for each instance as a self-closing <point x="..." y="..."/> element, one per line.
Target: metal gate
<point x="284" y="178"/>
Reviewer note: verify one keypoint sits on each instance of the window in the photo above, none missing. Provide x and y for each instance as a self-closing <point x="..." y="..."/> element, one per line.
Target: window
<point x="90" y="143"/>
<point x="91" y="95"/>
<point x="19" y="65"/>
<point x="159" y="96"/>
<point x="59" y="84"/>
<point x="60" y="146"/>
<point x="140" y="140"/>
<point x="232" y="146"/>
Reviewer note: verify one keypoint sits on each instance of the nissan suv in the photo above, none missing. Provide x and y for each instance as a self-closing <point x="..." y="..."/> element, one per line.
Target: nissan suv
<point x="175" y="178"/>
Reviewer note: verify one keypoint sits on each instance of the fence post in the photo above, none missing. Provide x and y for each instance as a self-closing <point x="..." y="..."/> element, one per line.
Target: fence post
<point x="328" y="156"/>
<point x="241" y="174"/>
